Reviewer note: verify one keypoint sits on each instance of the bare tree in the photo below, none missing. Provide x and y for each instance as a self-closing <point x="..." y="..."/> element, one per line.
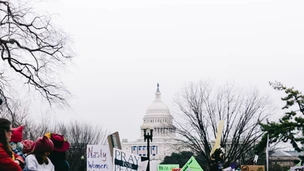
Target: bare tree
<point x="79" y="135"/>
<point x="32" y="50"/>
<point x="201" y="109"/>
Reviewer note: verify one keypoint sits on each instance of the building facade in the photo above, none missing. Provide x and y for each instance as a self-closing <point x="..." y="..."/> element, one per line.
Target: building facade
<point x="160" y="120"/>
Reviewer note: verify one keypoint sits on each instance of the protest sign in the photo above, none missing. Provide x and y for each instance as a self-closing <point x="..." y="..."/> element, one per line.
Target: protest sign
<point x="252" y="168"/>
<point x="99" y="158"/>
<point x="123" y="161"/>
<point x="191" y="165"/>
<point x="299" y="164"/>
<point x="114" y="142"/>
<point x="228" y="169"/>
<point x="167" y="167"/>
<point x="297" y="168"/>
<point x="176" y="169"/>
<point x="142" y="166"/>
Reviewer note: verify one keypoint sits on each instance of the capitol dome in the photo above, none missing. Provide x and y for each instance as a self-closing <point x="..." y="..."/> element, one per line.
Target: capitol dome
<point x="159" y="119"/>
<point x="158" y="107"/>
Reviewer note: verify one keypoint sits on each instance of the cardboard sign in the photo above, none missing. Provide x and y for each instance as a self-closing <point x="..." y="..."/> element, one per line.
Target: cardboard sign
<point x="191" y="165"/>
<point x="114" y="142"/>
<point x="123" y="161"/>
<point x="297" y="168"/>
<point x="167" y="167"/>
<point x="252" y="168"/>
<point x="99" y="158"/>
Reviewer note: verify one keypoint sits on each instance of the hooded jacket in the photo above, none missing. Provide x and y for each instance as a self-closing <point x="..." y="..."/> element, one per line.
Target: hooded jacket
<point x="6" y="161"/>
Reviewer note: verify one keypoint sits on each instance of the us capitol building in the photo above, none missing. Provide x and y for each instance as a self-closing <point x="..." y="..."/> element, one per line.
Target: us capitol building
<point x="159" y="119"/>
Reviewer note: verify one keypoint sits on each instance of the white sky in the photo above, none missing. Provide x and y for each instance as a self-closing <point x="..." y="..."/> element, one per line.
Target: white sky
<point x="124" y="47"/>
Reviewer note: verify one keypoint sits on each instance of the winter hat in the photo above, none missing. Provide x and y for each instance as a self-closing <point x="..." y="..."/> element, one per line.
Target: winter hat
<point x="44" y="144"/>
<point x="17" y="134"/>
<point x="60" y="143"/>
<point x="28" y="146"/>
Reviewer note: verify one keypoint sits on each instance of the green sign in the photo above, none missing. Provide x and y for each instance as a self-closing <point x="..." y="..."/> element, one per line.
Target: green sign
<point x="192" y="165"/>
<point x="167" y="167"/>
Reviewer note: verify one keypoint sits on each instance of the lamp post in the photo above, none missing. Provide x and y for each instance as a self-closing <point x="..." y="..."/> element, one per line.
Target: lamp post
<point x="148" y="134"/>
<point x="82" y="163"/>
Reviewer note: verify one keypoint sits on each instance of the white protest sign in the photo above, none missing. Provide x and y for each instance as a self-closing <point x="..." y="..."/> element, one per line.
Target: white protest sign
<point x="142" y="166"/>
<point x="228" y="169"/>
<point x="123" y="161"/>
<point x="297" y="168"/>
<point x="99" y="158"/>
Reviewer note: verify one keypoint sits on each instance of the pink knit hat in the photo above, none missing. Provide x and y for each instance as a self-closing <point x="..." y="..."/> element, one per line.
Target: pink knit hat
<point x="44" y="144"/>
<point x="17" y="134"/>
<point x="28" y="146"/>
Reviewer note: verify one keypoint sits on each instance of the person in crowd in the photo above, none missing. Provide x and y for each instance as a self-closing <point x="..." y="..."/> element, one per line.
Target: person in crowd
<point x="16" y="144"/>
<point x="9" y="161"/>
<point x="28" y="147"/>
<point x="39" y="160"/>
<point x="58" y="155"/>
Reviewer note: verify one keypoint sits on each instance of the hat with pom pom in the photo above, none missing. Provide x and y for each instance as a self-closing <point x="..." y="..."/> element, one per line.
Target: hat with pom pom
<point x="28" y="146"/>
<point x="60" y="143"/>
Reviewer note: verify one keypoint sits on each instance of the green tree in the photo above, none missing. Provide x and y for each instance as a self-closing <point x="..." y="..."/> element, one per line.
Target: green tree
<point x="178" y="158"/>
<point x="201" y="107"/>
<point x="290" y="126"/>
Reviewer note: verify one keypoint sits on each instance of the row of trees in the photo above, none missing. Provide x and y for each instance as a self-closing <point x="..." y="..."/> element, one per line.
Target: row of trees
<point x="33" y="53"/>
<point x="246" y="115"/>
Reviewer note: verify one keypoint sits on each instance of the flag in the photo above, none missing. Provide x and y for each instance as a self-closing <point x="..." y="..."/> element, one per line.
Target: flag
<point x="267" y="152"/>
<point x="217" y="143"/>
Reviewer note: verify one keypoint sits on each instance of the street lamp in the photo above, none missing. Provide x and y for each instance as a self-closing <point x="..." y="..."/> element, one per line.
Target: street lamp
<point x="148" y="134"/>
<point x="82" y="163"/>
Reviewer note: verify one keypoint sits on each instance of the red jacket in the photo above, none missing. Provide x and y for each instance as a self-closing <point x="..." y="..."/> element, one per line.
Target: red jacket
<point x="6" y="161"/>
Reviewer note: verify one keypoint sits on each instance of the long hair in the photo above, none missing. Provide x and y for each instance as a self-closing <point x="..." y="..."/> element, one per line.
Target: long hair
<point x="57" y="156"/>
<point x="4" y="127"/>
<point x="59" y="161"/>
<point x="41" y="158"/>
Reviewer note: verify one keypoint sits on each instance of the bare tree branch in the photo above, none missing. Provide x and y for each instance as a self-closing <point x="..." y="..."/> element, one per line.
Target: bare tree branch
<point x="34" y="50"/>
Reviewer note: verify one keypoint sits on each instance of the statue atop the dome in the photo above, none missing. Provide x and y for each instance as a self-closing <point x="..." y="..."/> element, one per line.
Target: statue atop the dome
<point x="157" y="87"/>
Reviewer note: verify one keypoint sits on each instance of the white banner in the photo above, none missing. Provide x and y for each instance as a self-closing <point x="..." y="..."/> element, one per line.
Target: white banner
<point x="297" y="168"/>
<point x="99" y="158"/>
<point x="125" y="161"/>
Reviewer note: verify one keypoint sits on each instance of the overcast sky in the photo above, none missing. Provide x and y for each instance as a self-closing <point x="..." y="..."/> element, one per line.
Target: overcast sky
<point x="125" y="47"/>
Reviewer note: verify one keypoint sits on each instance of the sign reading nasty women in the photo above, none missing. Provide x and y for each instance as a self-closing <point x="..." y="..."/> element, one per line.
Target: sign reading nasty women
<point x="99" y="158"/>
<point x="123" y="161"/>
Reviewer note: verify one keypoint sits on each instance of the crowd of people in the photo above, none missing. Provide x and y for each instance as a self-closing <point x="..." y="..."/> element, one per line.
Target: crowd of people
<point x="47" y="153"/>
